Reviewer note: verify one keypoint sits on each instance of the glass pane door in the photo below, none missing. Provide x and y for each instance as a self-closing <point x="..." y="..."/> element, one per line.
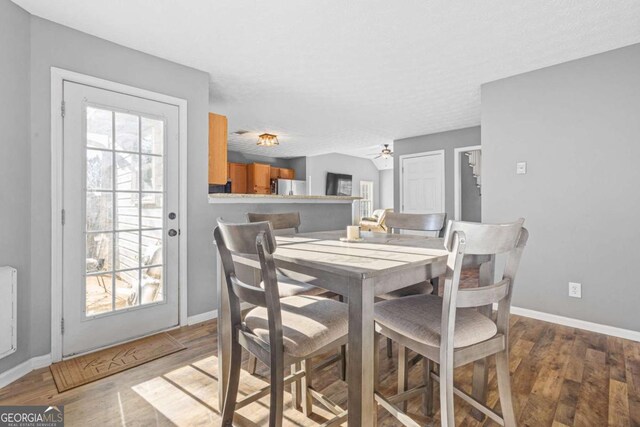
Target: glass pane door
<point x="123" y="210"/>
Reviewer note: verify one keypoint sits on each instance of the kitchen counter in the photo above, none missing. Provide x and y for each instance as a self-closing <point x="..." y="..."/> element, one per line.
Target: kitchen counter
<point x="217" y="198"/>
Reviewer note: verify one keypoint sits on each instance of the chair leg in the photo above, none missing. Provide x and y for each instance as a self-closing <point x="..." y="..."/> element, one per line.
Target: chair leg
<point x="251" y="364"/>
<point x="343" y="362"/>
<point x="447" y="415"/>
<point x="376" y="361"/>
<point x="427" y="397"/>
<point x="307" y="383"/>
<point x="403" y="375"/>
<point x="229" y="406"/>
<point x="504" y="388"/>
<point x="296" y="387"/>
<point x="389" y="348"/>
<point x="277" y="394"/>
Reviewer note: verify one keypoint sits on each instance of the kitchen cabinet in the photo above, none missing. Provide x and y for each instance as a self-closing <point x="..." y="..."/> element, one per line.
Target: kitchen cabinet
<point x="217" y="149"/>
<point x="238" y="177"/>
<point x="258" y="178"/>
<point x="282" y="173"/>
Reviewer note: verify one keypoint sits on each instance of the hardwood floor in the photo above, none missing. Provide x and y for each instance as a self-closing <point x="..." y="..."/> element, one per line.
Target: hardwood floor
<point x="561" y="377"/>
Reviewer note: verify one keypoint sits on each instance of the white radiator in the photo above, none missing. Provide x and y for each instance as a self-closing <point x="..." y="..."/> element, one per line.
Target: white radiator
<point x="8" y="310"/>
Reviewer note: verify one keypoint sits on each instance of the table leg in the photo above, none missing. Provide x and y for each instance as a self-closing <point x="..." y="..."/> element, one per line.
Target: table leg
<point x="361" y="404"/>
<point x="224" y="334"/>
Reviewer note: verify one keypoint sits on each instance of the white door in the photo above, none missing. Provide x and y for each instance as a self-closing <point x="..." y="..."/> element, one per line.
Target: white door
<point x="120" y="234"/>
<point x="422" y="183"/>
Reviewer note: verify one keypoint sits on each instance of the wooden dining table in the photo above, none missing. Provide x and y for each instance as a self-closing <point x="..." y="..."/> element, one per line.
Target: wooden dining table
<point x="359" y="271"/>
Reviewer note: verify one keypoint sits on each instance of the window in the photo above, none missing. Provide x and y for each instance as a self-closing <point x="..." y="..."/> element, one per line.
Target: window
<point x="366" y="204"/>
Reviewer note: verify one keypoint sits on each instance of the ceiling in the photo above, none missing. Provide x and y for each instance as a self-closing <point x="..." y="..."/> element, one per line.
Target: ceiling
<point x="349" y="76"/>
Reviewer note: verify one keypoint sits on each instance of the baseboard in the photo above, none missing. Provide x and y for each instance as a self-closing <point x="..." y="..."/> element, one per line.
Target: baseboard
<point x="577" y="323"/>
<point x="202" y="317"/>
<point x="23" y="369"/>
<point x="208" y="315"/>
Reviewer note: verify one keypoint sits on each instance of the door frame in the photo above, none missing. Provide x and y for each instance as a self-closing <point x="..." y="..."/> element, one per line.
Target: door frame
<point x="423" y="154"/>
<point x="58" y="77"/>
<point x="457" y="184"/>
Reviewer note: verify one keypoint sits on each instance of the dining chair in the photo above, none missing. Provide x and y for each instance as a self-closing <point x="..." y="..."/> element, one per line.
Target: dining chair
<point x="278" y="331"/>
<point x="430" y="225"/>
<point x="450" y="330"/>
<point x="283" y="223"/>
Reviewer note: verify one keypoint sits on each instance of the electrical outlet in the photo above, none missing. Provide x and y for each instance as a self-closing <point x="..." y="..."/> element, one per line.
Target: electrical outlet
<point x="575" y="290"/>
<point x="521" y="168"/>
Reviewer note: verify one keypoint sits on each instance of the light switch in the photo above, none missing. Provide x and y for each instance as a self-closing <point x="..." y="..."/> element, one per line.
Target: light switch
<point x="521" y="168"/>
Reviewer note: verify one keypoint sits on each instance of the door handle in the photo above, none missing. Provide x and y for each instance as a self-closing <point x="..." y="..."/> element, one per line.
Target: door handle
<point x="173" y="233"/>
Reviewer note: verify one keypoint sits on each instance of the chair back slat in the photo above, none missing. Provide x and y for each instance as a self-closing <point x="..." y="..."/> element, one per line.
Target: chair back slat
<point x="418" y="222"/>
<point x="251" y="294"/>
<point x="241" y="238"/>
<point x="485" y="295"/>
<point x="279" y="221"/>
<point x="485" y="239"/>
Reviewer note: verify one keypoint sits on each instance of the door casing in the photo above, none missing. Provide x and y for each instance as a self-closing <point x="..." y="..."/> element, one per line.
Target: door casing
<point x="58" y="76"/>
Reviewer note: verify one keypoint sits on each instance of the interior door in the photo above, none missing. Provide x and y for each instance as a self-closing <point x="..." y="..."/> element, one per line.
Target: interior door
<point x="423" y="183"/>
<point x="120" y="234"/>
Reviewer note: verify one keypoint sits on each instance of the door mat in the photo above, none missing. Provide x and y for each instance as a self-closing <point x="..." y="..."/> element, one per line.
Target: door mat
<point x="90" y="367"/>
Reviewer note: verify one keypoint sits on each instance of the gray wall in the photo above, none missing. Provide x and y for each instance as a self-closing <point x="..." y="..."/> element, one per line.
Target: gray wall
<point x="14" y="164"/>
<point x="361" y="170"/>
<point x="446" y="141"/>
<point x="577" y="125"/>
<point x="470" y="196"/>
<point x="59" y="46"/>
<point x="386" y="188"/>
<point x="299" y="164"/>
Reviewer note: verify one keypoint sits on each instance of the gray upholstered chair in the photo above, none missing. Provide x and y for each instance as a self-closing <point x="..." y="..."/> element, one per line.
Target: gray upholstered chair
<point x="450" y="330"/>
<point x="281" y="223"/>
<point x="430" y="225"/>
<point x="279" y="331"/>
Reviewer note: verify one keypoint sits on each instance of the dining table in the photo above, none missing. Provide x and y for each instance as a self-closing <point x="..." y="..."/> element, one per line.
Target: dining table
<point x="359" y="271"/>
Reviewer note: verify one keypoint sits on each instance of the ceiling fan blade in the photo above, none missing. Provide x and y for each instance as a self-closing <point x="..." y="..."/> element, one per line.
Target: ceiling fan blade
<point x="377" y="157"/>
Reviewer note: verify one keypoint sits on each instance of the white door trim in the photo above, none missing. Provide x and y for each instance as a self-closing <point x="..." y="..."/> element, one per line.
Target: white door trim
<point x="457" y="186"/>
<point x="425" y="153"/>
<point x="58" y="76"/>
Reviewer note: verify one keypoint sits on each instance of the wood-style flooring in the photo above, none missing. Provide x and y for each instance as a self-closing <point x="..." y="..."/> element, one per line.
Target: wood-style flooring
<point x="561" y="377"/>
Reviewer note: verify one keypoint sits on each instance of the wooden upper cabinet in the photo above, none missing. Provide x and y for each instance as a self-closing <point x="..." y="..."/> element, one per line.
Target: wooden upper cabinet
<point x="238" y="177"/>
<point x="258" y="178"/>
<point x="287" y="173"/>
<point x="282" y="173"/>
<point x="217" y="149"/>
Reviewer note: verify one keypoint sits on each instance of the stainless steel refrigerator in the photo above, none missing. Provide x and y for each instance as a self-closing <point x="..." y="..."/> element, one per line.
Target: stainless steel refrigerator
<point x="291" y="187"/>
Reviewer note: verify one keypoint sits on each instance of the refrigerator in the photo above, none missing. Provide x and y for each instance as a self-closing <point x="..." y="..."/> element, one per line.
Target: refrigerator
<point x="291" y="187"/>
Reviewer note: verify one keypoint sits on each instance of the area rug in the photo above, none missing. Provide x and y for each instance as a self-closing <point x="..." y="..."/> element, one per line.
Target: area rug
<point x="94" y="366"/>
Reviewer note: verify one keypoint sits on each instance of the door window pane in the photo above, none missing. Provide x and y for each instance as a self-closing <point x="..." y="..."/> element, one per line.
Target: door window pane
<point x="127" y="214"/>
<point x="152" y="173"/>
<point x="151" y="248"/>
<point x="99" y="211"/>
<point x="98" y="293"/>
<point x="99" y="128"/>
<point x="127" y="167"/>
<point x="99" y="170"/>
<point x="152" y="136"/>
<point x="99" y="252"/>
<point x="151" y="285"/>
<point x="127" y="292"/>
<point x="127" y="132"/>
<point x="151" y="210"/>
<point x="127" y="250"/>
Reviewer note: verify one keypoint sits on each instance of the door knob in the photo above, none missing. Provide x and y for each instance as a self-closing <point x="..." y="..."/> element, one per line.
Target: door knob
<point x="173" y="233"/>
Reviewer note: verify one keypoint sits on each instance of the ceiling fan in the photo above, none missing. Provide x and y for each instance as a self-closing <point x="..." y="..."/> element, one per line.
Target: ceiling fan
<point x="385" y="153"/>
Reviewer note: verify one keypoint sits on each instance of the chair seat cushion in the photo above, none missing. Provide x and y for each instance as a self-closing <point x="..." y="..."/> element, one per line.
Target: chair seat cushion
<point x="421" y="288"/>
<point x="288" y="287"/>
<point x="309" y="323"/>
<point x="419" y="318"/>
